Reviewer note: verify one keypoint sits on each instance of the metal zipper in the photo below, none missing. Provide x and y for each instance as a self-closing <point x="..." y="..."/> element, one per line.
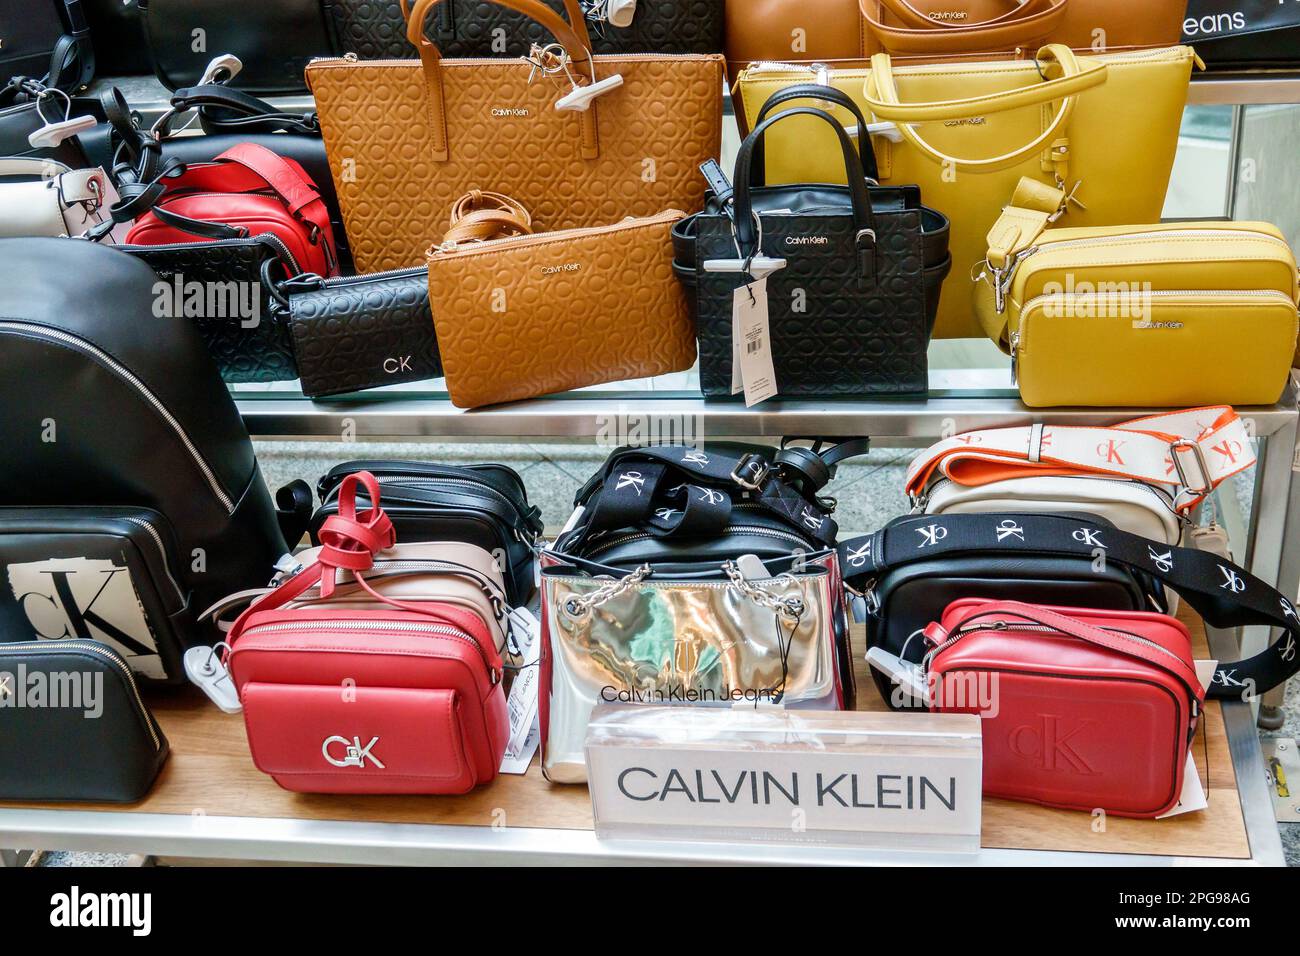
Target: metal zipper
<point x="420" y="482"/>
<point x="257" y="240"/>
<point x="768" y="67"/>
<point x="1164" y="498"/>
<point x="492" y="245"/>
<point x="1039" y="628"/>
<point x="409" y="627"/>
<point x="54" y="647"/>
<point x="485" y="584"/>
<point x="121" y="371"/>
<point x="373" y="276"/>
<point x="162" y="552"/>
<point x="601" y="547"/>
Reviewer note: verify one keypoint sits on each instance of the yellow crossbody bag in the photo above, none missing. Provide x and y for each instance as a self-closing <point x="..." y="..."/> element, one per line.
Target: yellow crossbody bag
<point x="1176" y="314"/>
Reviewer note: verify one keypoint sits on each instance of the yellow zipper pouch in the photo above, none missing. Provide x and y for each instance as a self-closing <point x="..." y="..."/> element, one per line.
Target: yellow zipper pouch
<point x="1176" y="314"/>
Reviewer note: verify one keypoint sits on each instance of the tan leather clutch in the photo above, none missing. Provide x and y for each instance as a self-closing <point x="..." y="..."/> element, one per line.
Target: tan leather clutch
<point x="532" y="315"/>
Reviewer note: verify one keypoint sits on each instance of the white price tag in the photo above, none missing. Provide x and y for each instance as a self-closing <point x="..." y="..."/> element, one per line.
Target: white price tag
<point x="521" y="705"/>
<point x="752" y="337"/>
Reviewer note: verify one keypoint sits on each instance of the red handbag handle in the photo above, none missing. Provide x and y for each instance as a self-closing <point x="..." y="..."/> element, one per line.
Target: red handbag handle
<point x="287" y="179"/>
<point x="1089" y="633"/>
<point x="349" y="540"/>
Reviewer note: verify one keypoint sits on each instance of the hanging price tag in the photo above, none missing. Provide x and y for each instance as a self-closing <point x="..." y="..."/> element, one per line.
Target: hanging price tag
<point x="751" y="337"/>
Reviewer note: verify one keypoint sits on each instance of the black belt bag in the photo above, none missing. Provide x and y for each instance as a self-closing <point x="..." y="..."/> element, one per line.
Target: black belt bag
<point x="969" y="548"/>
<point x="73" y="725"/>
<point x="850" y="314"/>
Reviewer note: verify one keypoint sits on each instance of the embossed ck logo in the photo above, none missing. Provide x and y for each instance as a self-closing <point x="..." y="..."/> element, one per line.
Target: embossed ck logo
<point x="1048" y="745"/>
<point x="395" y="364"/>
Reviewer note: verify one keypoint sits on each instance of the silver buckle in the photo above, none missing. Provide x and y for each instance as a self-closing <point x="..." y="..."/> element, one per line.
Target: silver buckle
<point x="1201" y="463"/>
<point x="760" y="476"/>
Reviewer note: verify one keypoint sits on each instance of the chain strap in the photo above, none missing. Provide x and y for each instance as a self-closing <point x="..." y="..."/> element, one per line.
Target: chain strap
<point x="579" y="608"/>
<point x="789" y="608"/>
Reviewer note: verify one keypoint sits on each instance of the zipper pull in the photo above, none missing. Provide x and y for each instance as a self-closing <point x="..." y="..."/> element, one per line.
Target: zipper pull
<point x="1015" y="358"/>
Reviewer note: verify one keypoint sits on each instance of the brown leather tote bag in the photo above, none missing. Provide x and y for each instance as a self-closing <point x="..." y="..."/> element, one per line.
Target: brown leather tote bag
<point x="406" y="137"/>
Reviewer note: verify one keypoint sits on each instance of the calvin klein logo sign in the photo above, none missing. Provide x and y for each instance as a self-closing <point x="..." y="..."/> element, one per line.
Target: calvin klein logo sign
<point x="948" y="15"/>
<point x="682" y="694"/>
<point x="501" y="112"/>
<point x="397" y="363"/>
<point x="860" y="791"/>
<point x="806" y="240"/>
<point x="561" y="268"/>
<point x="89" y="599"/>
<point x="342" y="752"/>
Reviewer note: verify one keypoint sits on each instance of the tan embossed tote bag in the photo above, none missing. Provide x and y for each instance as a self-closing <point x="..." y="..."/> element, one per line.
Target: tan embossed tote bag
<point x="406" y="137"/>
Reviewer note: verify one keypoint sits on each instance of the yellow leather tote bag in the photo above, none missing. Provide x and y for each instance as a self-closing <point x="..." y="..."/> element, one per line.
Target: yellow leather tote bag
<point x="1104" y="128"/>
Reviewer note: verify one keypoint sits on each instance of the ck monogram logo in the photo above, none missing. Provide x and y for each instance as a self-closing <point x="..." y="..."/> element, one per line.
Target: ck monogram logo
<point x="87" y="599"/>
<point x="1288" y="609"/>
<point x="695" y="458"/>
<point x="1227" y="678"/>
<point x="1046" y="745"/>
<point x="1108" y="451"/>
<point x="1232" y="581"/>
<point x="970" y="439"/>
<point x="1229" y="450"/>
<point x="354" y="755"/>
<point x="812" y="521"/>
<point x="931" y="535"/>
<point x="1287" y="651"/>
<point x="401" y="363"/>
<point x="1088" y="536"/>
<point x="631" y="479"/>
<point x="711" y="497"/>
<point x="1165" y="562"/>
<point x="666" y="513"/>
<point x="1009" y="529"/>
<point x="858" y="557"/>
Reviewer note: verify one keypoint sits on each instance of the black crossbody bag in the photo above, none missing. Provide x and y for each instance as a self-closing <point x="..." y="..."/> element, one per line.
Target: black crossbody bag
<point x="849" y="314"/>
<point x="1222" y="593"/>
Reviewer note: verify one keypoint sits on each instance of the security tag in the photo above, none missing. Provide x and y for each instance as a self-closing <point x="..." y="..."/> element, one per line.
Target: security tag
<point x="206" y="671"/>
<point x="227" y="63"/>
<point x="910" y="677"/>
<point x="760" y="267"/>
<point x="52" y="134"/>
<point x="752" y="568"/>
<point x="619" y="13"/>
<point x="579" y="98"/>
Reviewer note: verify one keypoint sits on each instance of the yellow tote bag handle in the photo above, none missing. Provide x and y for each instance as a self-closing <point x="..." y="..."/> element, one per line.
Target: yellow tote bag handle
<point x="881" y="97"/>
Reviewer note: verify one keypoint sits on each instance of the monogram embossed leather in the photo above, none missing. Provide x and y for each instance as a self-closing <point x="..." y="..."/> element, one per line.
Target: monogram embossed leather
<point x="362" y="332"/>
<point x="404" y="139"/>
<point x="847" y="313"/>
<point x="529" y="316"/>
<point x="246" y="347"/>
<point x="376" y="29"/>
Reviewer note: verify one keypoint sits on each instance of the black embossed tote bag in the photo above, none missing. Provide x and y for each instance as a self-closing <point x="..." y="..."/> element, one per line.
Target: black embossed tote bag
<point x="849" y="313"/>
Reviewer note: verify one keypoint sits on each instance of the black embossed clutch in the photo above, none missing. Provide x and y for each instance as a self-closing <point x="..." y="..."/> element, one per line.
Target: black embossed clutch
<point x="363" y="331"/>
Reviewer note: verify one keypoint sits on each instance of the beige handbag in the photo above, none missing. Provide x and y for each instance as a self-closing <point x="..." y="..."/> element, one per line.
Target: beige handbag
<point x="1105" y="128"/>
<point x="406" y="137"/>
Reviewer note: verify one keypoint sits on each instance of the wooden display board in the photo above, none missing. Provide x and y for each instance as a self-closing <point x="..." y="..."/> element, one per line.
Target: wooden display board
<point x="210" y="772"/>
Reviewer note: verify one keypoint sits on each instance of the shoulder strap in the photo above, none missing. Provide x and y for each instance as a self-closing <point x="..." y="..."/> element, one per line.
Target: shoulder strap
<point x="1189" y="452"/>
<point x="287" y="178"/>
<point x="225" y="110"/>
<point x="1224" y="594"/>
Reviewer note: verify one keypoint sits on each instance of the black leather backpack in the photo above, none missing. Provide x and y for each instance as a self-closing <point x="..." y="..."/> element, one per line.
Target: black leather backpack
<point x="124" y="453"/>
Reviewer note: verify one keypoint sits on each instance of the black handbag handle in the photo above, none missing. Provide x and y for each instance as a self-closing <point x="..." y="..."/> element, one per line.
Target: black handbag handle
<point x="827" y="94"/>
<point x="222" y="109"/>
<point x="747" y="238"/>
<point x="1222" y="593"/>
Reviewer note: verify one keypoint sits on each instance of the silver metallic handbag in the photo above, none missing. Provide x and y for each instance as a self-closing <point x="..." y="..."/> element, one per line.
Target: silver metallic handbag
<point x="752" y="635"/>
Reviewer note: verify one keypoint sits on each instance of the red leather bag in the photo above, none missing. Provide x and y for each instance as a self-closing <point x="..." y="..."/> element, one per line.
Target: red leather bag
<point x="246" y="191"/>
<point x="1082" y="709"/>
<point x="402" y="700"/>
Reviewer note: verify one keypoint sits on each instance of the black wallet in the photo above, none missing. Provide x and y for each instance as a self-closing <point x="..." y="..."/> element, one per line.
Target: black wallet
<point x="73" y="725"/>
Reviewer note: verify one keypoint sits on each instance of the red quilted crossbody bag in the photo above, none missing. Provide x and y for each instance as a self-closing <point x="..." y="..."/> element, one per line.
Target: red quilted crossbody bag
<point x="404" y="699"/>
<point x="1082" y="709"/>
